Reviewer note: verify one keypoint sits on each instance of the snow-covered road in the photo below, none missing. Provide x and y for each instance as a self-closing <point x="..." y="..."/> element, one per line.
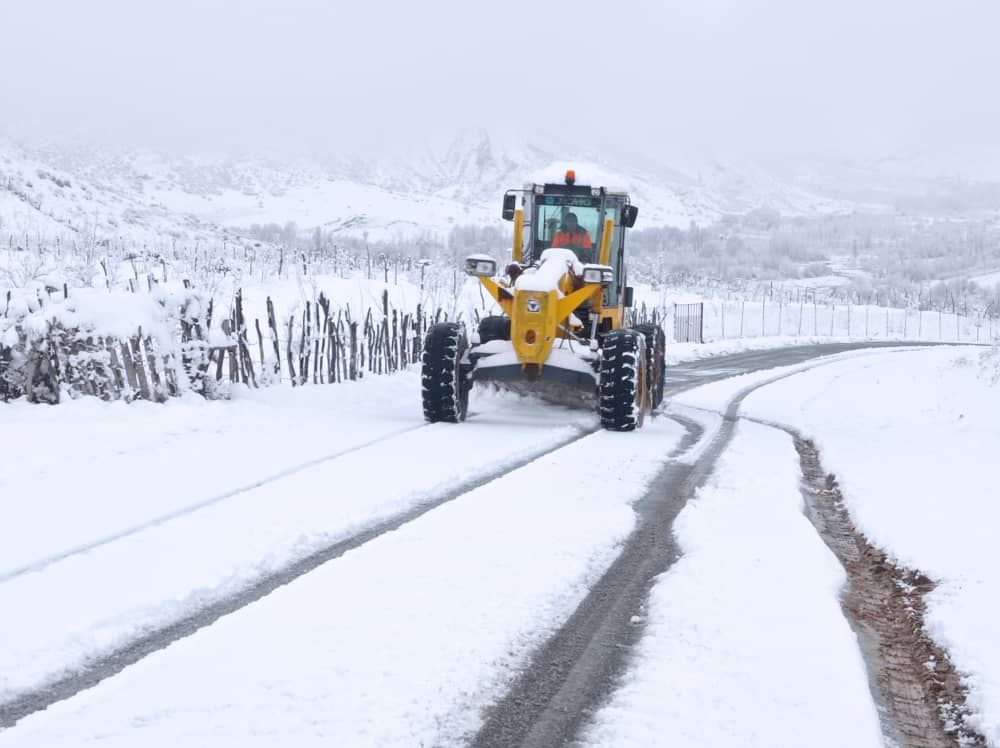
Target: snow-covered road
<point x="447" y="583"/>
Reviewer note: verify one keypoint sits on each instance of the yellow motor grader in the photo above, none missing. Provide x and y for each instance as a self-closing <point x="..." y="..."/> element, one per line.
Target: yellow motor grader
<point x="563" y="298"/>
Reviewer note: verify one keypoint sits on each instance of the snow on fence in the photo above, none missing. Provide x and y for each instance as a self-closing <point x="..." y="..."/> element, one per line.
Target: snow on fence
<point x="325" y="348"/>
<point x="152" y="346"/>
<point x="129" y="346"/>
<point x="114" y="346"/>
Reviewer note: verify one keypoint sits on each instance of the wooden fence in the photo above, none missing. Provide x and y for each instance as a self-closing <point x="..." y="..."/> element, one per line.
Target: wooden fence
<point x="318" y="345"/>
<point x="323" y="346"/>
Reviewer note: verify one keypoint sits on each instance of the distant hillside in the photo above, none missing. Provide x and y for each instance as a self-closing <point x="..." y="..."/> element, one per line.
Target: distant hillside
<point x="91" y="195"/>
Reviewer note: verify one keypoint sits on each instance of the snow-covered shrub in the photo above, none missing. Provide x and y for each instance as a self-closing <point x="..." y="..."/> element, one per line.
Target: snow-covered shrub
<point x="94" y="342"/>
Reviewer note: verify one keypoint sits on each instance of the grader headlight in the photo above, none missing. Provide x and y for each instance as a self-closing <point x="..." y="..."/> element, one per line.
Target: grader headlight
<point x="482" y="266"/>
<point x="598" y="274"/>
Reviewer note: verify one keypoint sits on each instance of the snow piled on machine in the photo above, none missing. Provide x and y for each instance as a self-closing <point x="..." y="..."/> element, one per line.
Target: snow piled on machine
<point x="552" y="266"/>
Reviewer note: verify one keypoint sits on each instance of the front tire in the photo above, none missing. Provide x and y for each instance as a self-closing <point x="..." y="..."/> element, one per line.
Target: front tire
<point x="623" y="394"/>
<point x="445" y="392"/>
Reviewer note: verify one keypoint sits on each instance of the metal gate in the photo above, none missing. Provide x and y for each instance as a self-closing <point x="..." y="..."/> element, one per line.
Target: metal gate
<point x="688" y="323"/>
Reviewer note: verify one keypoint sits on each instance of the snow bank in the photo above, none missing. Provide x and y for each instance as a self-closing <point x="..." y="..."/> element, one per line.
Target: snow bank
<point x="745" y="642"/>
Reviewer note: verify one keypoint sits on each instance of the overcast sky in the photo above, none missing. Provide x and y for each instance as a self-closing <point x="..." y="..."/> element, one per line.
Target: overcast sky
<point x="738" y="76"/>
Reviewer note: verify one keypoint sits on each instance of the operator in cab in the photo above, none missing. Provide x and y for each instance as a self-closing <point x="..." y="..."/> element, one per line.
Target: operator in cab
<point x="572" y="235"/>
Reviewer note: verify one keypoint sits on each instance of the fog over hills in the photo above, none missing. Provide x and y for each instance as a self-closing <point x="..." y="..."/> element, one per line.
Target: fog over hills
<point x="89" y="191"/>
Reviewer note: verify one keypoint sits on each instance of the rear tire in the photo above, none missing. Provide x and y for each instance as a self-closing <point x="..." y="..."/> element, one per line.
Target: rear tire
<point x="623" y="396"/>
<point x="494" y="327"/>
<point x="445" y="393"/>
<point x="656" y="367"/>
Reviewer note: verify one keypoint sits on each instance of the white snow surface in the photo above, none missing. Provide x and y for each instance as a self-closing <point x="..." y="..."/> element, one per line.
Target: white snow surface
<point x="912" y="438"/>
<point x="677" y="353"/>
<point x="745" y="642"/>
<point x="399" y="642"/>
<point x="553" y="265"/>
<point x="716" y="396"/>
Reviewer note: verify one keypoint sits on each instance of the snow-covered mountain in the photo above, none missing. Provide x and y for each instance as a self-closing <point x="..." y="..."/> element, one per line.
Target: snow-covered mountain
<point x="92" y="194"/>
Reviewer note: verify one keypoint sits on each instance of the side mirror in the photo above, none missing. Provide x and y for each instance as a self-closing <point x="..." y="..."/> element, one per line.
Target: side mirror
<point x="509" y="204"/>
<point x="482" y="266"/>
<point x="629" y="296"/>
<point x="629" y="213"/>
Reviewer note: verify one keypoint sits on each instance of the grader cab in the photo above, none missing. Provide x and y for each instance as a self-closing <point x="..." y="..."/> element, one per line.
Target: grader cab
<point x="563" y="298"/>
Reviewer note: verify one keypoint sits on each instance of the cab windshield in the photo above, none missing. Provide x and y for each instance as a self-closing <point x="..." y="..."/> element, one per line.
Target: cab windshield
<point x="570" y="222"/>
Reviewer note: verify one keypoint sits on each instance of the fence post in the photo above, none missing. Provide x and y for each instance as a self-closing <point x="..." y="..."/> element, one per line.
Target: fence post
<point x="273" y="324"/>
<point x="763" y="321"/>
<point x="288" y="351"/>
<point x="353" y="329"/>
<point x="743" y="305"/>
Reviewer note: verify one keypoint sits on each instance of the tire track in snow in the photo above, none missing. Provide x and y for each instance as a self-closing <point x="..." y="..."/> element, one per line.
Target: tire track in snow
<point x="47" y="561"/>
<point x="576" y="668"/>
<point x="919" y="695"/>
<point x="573" y="673"/>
